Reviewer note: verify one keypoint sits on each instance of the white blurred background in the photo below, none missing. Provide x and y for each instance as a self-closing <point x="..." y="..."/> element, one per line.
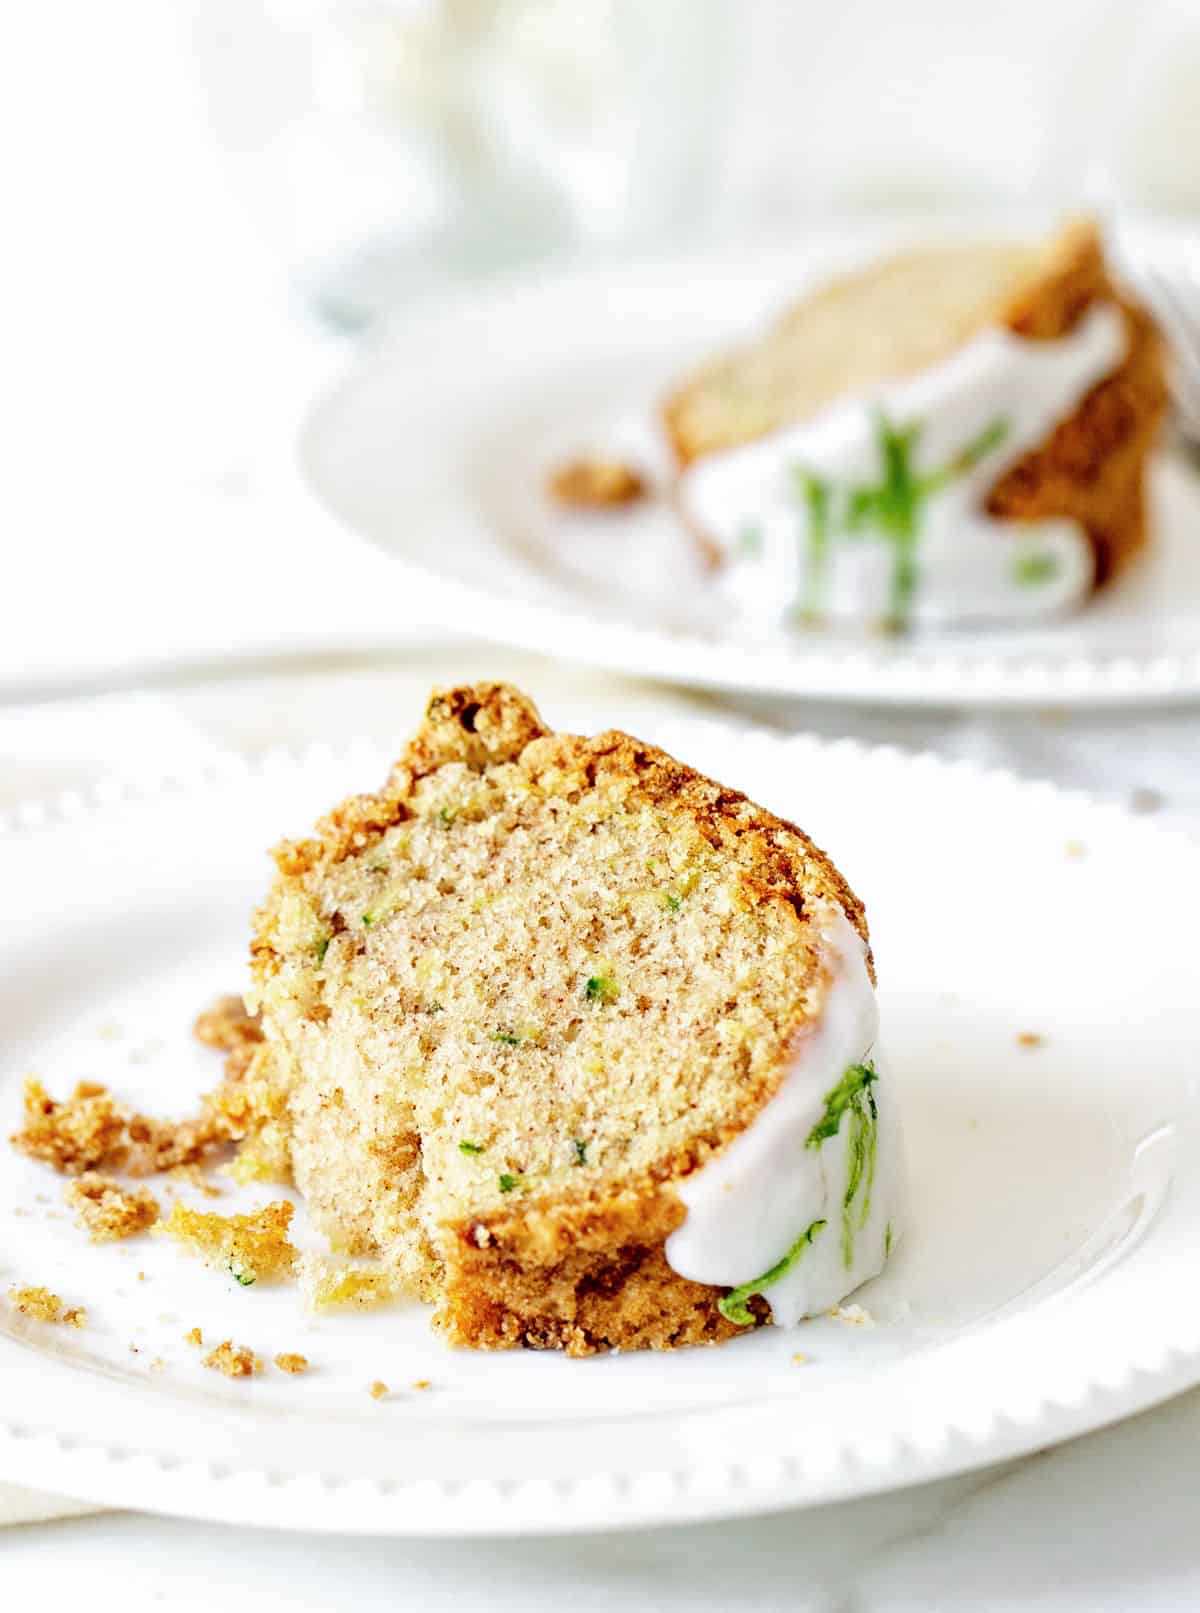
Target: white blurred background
<point x="200" y="194"/>
<point x="382" y="140"/>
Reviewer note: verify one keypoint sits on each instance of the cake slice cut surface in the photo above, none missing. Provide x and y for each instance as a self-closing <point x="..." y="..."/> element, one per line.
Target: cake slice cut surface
<point x="534" y="1005"/>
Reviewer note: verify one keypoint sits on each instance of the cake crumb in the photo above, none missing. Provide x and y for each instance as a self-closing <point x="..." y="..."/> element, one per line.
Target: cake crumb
<point x="226" y="1025"/>
<point x="73" y="1135"/>
<point x="423" y="1383"/>
<point x="1076" y="848"/>
<point x="1030" y="1039"/>
<point x="852" y="1315"/>
<point x="596" y="481"/>
<point x="156" y="1146"/>
<point x="110" y="1211"/>
<point x="1143" y="801"/>
<point x="194" y="1336"/>
<point x="45" y="1306"/>
<point x="90" y="1131"/>
<point x="158" y="1364"/>
<point x="799" y="1359"/>
<point x="288" y="1362"/>
<point x="234" y="1360"/>
<point x="327" y="1282"/>
<point x="249" y="1246"/>
<point x="378" y="1389"/>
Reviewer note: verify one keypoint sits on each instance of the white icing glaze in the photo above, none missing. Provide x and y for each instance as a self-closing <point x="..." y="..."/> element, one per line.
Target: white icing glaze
<point x="747" y="1207"/>
<point x="969" y="565"/>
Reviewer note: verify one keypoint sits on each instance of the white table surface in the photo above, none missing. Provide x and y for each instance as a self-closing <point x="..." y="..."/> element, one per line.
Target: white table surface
<point x="160" y="368"/>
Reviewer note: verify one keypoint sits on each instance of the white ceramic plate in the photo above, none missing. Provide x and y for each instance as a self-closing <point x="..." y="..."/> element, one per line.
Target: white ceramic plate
<point x="437" y="449"/>
<point x="1045" y="1284"/>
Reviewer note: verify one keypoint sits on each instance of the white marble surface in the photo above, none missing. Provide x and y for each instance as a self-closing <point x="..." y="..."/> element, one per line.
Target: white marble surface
<point x="1104" y="1525"/>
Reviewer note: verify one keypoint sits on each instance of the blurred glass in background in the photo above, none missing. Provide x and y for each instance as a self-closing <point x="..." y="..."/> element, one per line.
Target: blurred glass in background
<point x="387" y="142"/>
<point x="389" y="145"/>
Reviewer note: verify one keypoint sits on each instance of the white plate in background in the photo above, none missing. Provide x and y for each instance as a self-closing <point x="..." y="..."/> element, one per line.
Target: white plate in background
<point x="436" y="448"/>
<point x="1044" y="1284"/>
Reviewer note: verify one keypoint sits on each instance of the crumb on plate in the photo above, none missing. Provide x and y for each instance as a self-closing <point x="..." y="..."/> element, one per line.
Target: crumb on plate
<point x="378" y="1389"/>
<point x="72" y="1135"/>
<point x="91" y="1131"/>
<point x="194" y="1336"/>
<point x="45" y="1306"/>
<point x="1030" y="1039"/>
<point x="249" y="1246"/>
<point x="157" y="1145"/>
<point x="110" y="1211"/>
<point x="225" y="1025"/>
<point x="234" y="1360"/>
<point x="596" y="481"/>
<point x="1144" y="801"/>
<point x="287" y="1361"/>
<point x="328" y="1282"/>
<point x="852" y="1315"/>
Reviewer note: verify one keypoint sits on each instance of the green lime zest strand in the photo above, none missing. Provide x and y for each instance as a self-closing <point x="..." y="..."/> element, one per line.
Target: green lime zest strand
<point x="817" y="495"/>
<point x="893" y="507"/>
<point x="734" y="1308"/>
<point x="858" y="1078"/>
<point x="1033" y="568"/>
<point x="853" y="1096"/>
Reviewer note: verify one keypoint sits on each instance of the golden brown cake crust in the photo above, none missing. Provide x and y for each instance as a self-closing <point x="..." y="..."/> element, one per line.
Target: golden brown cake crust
<point x="1092" y="468"/>
<point x="581" y="1278"/>
<point x="481" y="724"/>
<point x="583" y="1270"/>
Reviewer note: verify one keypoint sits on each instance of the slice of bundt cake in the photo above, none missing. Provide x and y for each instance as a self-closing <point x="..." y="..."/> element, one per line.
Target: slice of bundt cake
<point x="581" y="1043"/>
<point x="955" y="433"/>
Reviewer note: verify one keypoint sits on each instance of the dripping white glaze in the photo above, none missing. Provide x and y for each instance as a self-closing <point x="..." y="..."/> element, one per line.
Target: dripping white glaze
<point x="970" y="566"/>
<point x="748" y="1207"/>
